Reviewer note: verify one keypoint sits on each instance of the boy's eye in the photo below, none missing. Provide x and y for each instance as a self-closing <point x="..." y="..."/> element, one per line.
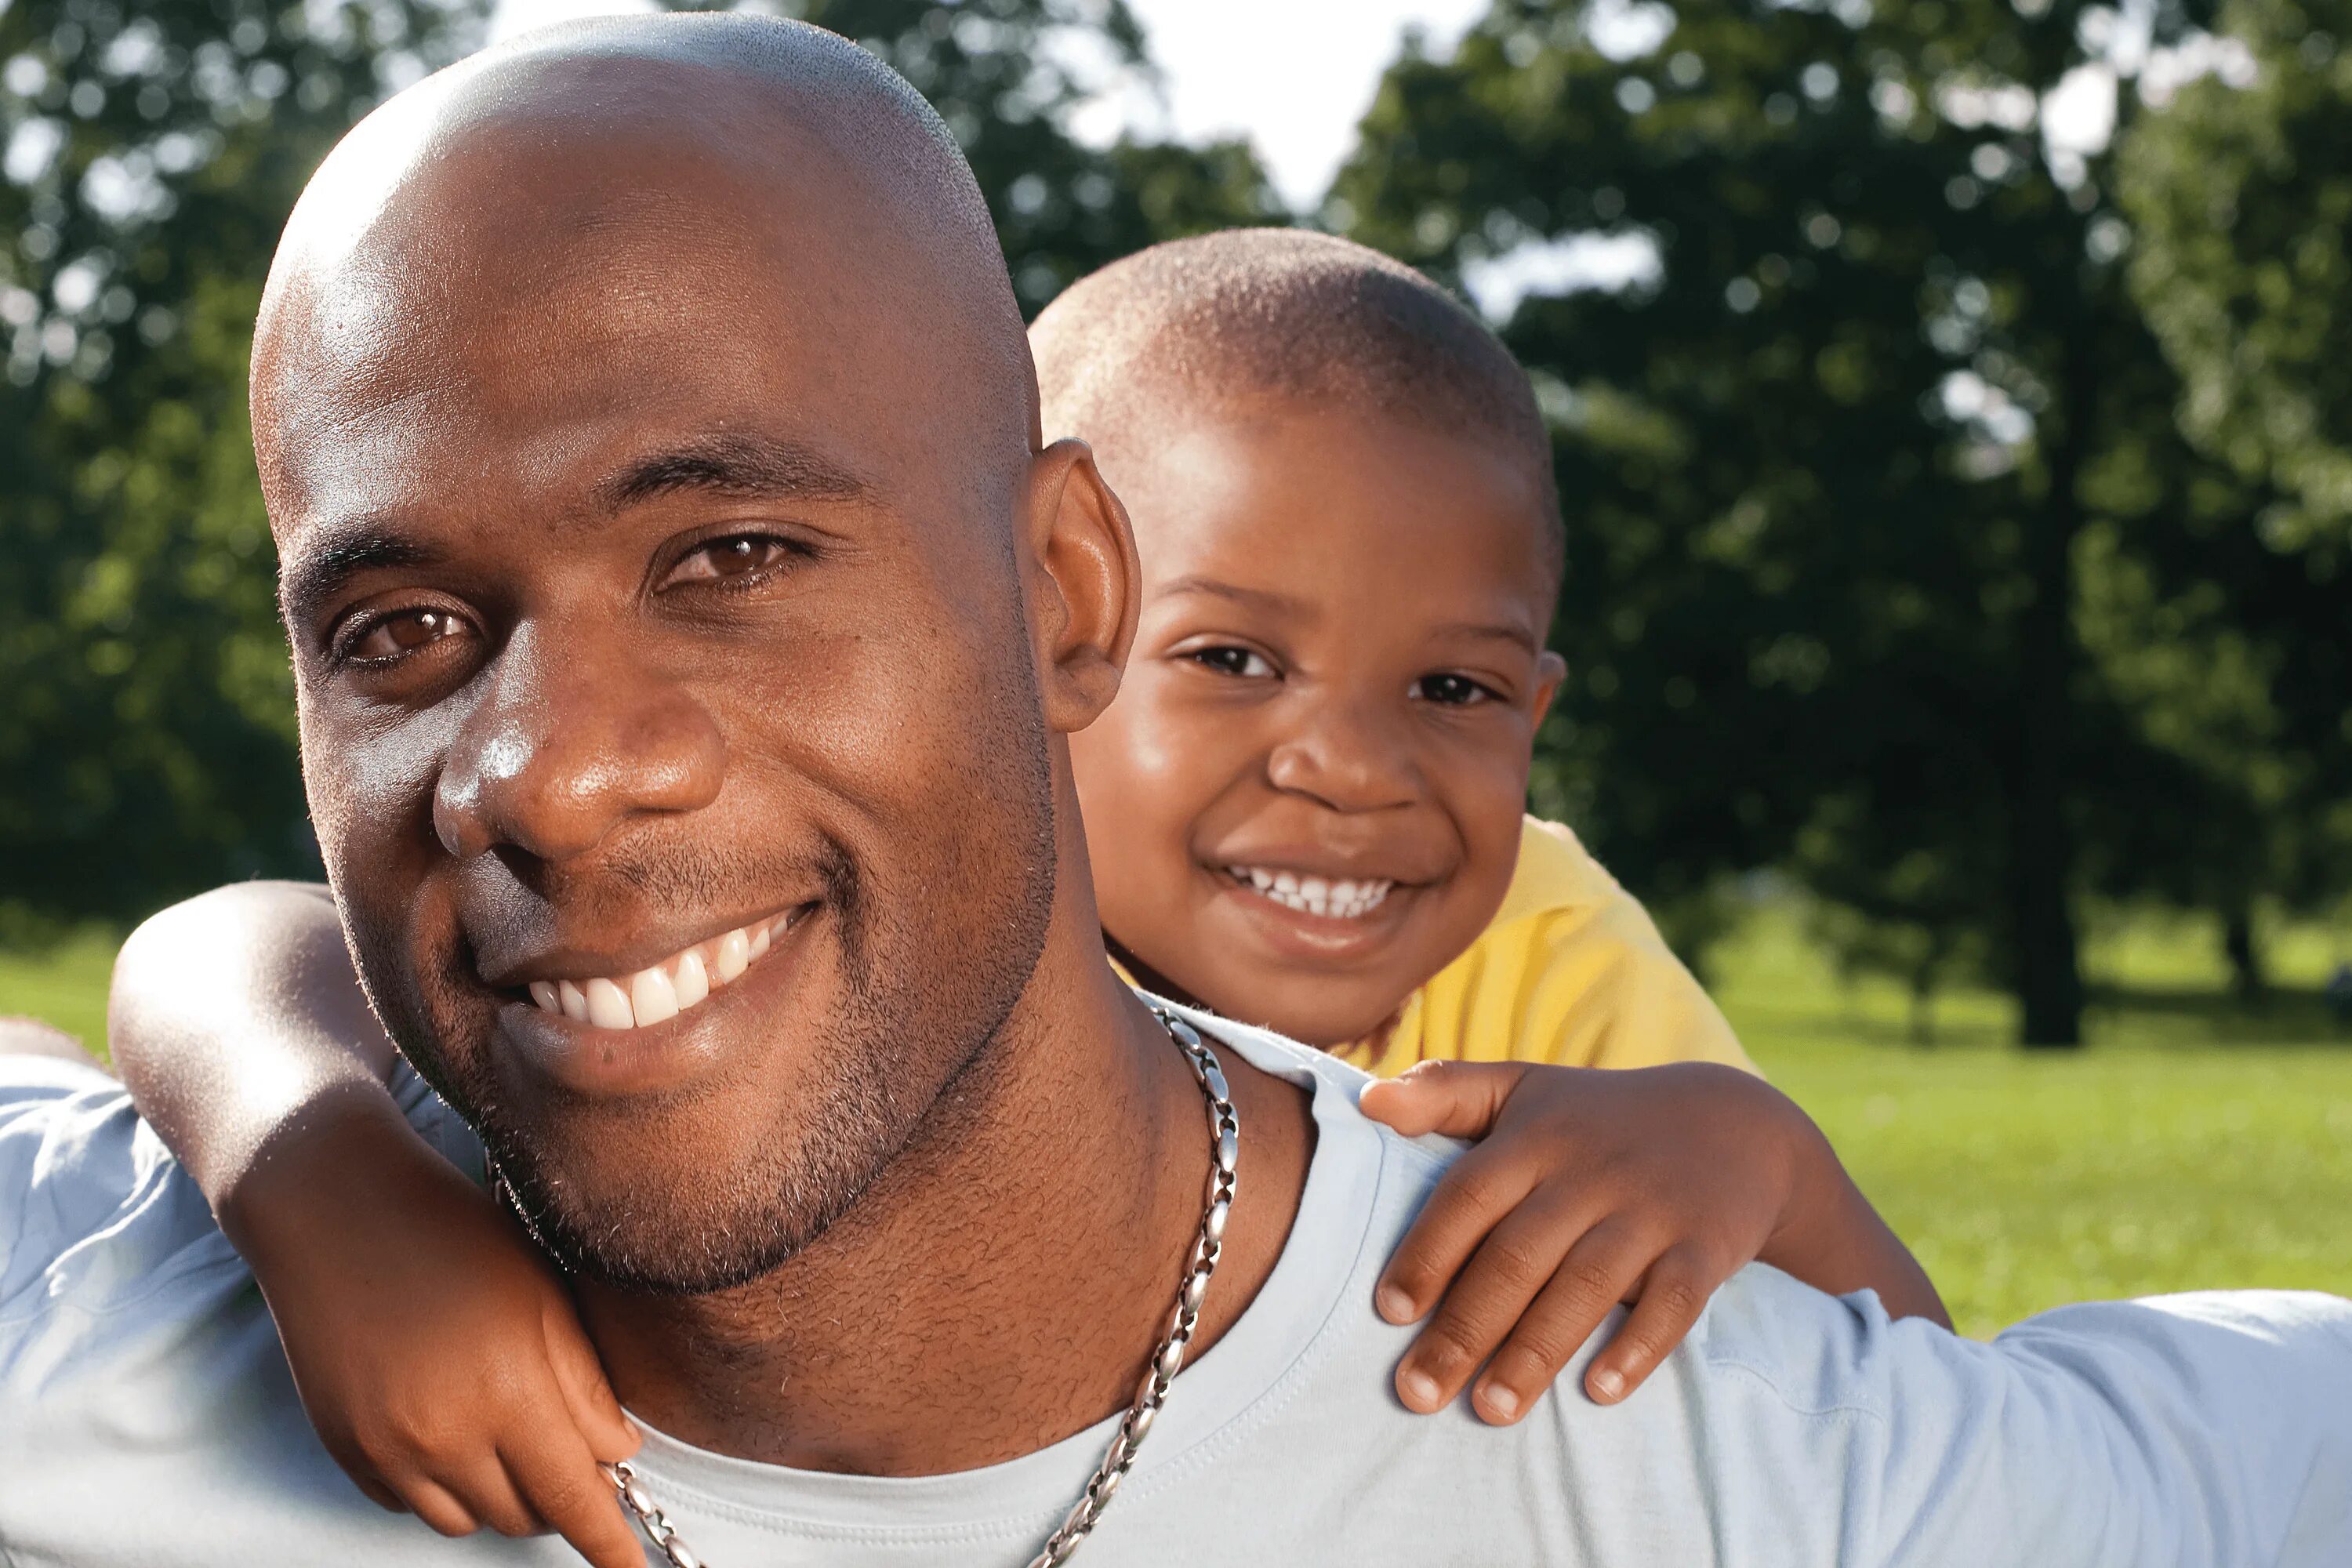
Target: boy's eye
<point x="404" y="632"/>
<point x="1234" y="661"/>
<point x="732" y="559"/>
<point x="1451" y="690"/>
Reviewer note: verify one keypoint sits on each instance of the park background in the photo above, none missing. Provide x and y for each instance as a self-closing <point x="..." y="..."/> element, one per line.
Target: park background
<point x="1953" y="406"/>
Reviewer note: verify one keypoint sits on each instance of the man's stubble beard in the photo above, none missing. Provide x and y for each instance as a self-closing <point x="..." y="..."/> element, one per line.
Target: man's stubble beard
<point x="933" y="1001"/>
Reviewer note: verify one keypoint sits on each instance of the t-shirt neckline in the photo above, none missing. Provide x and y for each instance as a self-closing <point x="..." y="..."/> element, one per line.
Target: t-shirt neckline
<point x="1319" y="1263"/>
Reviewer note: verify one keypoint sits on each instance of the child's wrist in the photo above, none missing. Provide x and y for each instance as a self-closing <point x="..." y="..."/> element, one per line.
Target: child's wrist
<point x="321" y="1166"/>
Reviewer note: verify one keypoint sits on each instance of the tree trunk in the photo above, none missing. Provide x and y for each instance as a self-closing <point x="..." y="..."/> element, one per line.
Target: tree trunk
<point x="1923" y="1006"/>
<point x="2246" y="982"/>
<point x="2041" y="841"/>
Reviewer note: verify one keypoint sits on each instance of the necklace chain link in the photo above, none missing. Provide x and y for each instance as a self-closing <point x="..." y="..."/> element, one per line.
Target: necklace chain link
<point x="1167" y="1359"/>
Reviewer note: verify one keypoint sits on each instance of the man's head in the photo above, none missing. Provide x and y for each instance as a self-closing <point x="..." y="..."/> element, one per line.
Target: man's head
<point x="680" y="603"/>
<point x="1306" y="799"/>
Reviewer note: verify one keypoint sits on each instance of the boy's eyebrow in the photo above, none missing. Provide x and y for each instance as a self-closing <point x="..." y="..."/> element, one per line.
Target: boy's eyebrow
<point x="1257" y="598"/>
<point x="1493" y="631"/>
<point x="737" y="463"/>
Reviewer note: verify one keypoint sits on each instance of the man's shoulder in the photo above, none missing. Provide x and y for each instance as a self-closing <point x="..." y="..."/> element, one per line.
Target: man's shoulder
<point x="93" y="1208"/>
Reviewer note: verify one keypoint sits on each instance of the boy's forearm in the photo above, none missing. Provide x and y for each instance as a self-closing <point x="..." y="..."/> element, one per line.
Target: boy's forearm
<point x="235" y="1019"/>
<point x="1836" y="1242"/>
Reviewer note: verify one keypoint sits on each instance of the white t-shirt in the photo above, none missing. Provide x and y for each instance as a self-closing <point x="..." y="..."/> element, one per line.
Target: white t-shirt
<point x="146" y="1416"/>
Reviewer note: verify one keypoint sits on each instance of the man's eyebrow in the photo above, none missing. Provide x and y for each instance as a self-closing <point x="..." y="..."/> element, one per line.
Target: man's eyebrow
<point x="1255" y="598"/>
<point x="735" y="464"/>
<point x="319" y="571"/>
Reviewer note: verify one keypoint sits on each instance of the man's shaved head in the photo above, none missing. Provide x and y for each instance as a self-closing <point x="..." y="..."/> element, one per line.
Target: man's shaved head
<point x="750" y="95"/>
<point x="1244" y="322"/>
<point x="650" y="441"/>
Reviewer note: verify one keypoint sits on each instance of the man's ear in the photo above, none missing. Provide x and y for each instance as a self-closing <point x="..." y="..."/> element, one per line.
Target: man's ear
<point x="1085" y="587"/>
<point x="1550" y="671"/>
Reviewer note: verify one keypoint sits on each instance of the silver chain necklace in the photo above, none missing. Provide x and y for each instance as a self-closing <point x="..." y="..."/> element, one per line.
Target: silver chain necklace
<point x="1225" y="1144"/>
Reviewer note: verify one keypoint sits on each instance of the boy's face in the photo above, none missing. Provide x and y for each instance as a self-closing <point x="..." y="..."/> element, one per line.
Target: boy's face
<point x="1306" y="800"/>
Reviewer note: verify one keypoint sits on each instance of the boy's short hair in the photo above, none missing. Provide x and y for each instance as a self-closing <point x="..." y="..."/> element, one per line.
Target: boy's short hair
<point x="1221" y="322"/>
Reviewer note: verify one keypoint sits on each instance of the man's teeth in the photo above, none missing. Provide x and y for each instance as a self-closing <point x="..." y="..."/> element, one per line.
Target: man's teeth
<point x="1314" y="895"/>
<point x="656" y="995"/>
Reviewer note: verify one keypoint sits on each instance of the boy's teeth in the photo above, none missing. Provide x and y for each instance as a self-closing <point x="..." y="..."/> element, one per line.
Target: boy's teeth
<point x="1315" y="895"/>
<point x="656" y="995"/>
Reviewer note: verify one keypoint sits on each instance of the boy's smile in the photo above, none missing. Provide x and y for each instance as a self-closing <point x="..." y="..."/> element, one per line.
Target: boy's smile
<point x="1306" y="799"/>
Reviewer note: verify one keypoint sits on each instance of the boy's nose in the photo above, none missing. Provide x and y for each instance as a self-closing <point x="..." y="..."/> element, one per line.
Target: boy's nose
<point x="566" y="744"/>
<point x="1348" y="756"/>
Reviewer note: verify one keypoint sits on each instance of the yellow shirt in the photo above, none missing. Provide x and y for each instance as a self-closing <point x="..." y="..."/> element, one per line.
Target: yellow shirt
<point x="1571" y="971"/>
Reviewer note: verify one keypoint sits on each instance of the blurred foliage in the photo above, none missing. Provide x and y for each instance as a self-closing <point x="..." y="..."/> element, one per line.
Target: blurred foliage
<point x="2243" y="192"/>
<point x="152" y="151"/>
<point x="1957" y="519"/>
<point x="1889" y="564"/>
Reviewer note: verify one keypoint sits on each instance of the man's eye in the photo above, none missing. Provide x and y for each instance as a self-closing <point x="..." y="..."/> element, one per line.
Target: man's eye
<point x="1234" y="661"/>
<point x="404" y="632"/>
<point x="737" y="555"/>
<point x="1451" y="690"/>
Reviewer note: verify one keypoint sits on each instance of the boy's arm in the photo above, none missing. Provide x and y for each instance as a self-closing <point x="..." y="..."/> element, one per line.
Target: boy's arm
<point x="1836" y="1241"/>
<point x="438" y="1355"/>
<point x="238" y="1025"/>
<point x="1592" y="1187"/>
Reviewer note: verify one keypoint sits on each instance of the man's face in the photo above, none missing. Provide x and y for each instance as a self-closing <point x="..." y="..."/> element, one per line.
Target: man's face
<point x="657" y="631"/>
<point x="1306" y="799"/>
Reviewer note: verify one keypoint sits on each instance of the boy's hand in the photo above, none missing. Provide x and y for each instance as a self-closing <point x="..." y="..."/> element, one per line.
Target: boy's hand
<point x="438" y="1355"/>
<point x="1592" y="1187"/>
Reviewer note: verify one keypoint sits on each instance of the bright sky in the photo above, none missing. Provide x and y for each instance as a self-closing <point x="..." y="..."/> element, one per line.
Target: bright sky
<point x="1294" y="76"/>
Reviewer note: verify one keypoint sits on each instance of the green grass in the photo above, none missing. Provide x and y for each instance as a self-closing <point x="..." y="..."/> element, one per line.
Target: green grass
<point x="65" y="985"/>
<point x="2192" y="1143"/>
<point x="2153" y="1160"/>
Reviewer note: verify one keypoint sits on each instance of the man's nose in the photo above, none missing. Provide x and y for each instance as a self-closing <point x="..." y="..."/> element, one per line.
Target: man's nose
<point x="568" y="743"/>
<point x="1350" y="754"/>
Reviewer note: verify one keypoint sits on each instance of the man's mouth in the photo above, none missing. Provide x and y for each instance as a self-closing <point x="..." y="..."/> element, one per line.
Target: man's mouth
<point x="1326" y="898"/>
<point x="661" y="992"/>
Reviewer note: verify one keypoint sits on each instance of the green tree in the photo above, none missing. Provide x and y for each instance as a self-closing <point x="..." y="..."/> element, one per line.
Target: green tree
<point x="2240" y="193"/>
<point x="152" y="152"/>
<point x="1833" y="474"/>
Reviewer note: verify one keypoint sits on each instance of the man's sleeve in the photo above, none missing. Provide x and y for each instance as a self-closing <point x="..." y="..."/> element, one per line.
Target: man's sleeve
<point x="81" y="1178"/>
<point x="2204" y="1431"/>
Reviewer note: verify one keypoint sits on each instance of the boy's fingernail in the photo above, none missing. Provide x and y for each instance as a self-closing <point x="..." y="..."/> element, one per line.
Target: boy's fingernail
<point x="1419" y="1388"/>
<point x="1500" y="1400"/>
<point x="1607" y="1384"/>
<point x="1393" y="1304"/>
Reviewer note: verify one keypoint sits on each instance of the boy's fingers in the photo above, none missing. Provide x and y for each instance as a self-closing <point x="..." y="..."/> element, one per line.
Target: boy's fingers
<point x="1511" y="1266"/>
<point x="490" y="1494"/>
<point x="610" y="1436"/>
<point x="1459" y="1100"/>
<point x="560" y="1478"/>
<point x="1594" y="1277"/>
<point x="433" y="1502"/>
<point x="383" y="1496"/>
<point x="1673" y="1294"/>
<point x="1473" y="1195"/>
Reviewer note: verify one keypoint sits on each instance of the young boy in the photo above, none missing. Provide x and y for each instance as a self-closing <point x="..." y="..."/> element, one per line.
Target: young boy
<point x="1303" y="810"/>
<point x="1305" y="804"/>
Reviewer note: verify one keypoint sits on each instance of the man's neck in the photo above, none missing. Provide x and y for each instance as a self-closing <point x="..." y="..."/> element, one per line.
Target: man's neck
<point x="1005" y="1282"/>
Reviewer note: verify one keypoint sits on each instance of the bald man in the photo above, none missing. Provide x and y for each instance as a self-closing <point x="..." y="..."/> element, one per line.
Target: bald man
<point x="675" y="569"/>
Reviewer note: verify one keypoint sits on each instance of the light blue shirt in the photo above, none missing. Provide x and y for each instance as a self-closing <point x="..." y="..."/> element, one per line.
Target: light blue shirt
<point x="146" y="1416"/>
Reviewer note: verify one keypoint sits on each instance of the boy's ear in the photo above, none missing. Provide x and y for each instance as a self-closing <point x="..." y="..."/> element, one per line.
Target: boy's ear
<point x="1085" y="587"/>
<point x="1550" y="671"/>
